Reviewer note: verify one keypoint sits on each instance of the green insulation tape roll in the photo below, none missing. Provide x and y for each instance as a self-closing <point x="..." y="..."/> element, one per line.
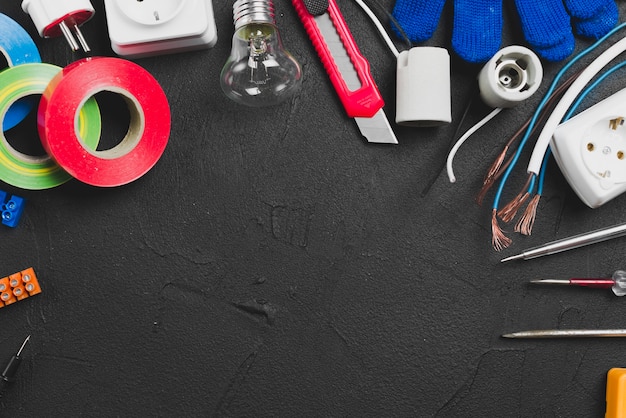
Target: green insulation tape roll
<point x="38" y="172"/>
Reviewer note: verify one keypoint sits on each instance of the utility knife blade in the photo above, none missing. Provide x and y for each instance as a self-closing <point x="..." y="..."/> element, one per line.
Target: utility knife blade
<point x="348" y="70"/>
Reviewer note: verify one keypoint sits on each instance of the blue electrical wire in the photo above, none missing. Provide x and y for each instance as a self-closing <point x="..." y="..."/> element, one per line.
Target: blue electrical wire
<point x="505" y="176"/>
<point x="531" y="185"/>
<point x="569" y="114"/>
<point x="542" y="173"/>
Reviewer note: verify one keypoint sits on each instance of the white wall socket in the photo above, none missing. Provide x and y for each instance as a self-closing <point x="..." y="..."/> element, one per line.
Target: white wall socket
<point x="140" y="28"/>
<point x="590" y="150"/>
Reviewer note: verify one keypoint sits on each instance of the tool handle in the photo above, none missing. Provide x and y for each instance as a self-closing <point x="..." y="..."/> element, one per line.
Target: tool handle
<point x="8" y="374"/>
<point x="3" y="386"/>
<point x="616" y="393"/>
<point x="595" y="283"/>
<point x="340" y="56"/>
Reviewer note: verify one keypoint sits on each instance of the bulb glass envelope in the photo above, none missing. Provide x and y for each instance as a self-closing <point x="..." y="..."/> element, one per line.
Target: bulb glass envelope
<point x="259" y="71"/>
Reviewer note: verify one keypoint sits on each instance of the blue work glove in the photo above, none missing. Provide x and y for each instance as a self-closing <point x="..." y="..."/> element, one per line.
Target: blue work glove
<point x="548" y="25"/>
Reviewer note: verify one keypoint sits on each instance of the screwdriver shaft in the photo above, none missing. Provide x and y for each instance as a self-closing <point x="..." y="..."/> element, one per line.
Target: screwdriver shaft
<point x="567" y="333"/>
<point x="19" y="352"/>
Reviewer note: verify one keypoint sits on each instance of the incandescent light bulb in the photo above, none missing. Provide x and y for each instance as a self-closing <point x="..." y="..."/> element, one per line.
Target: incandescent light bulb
<point x="259" y="71"/>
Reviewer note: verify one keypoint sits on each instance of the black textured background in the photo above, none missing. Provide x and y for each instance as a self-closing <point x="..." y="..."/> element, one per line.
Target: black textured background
<point x="274" y="264"/>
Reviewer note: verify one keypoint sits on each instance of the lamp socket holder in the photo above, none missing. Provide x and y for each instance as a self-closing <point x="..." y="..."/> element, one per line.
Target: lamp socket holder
<point x="511" y="76"/>
<point x="423" y="87"/>
<point x="140" y="28"/>
<point x="590" y="149"/>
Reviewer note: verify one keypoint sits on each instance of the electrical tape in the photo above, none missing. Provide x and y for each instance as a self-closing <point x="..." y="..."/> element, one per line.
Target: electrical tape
<point x="18" y="48"/>
<point x="38" y="172"/>
<point x="147" y="135"/>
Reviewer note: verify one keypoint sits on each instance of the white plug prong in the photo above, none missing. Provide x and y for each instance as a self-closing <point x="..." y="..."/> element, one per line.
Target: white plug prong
<point x="68" y="36"/>
<point x="81" y="39"/>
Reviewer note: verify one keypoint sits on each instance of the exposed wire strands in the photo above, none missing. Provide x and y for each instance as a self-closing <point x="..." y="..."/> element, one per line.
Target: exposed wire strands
<point x="499" y="166"/>
<point x="508" y="212"/>
<point x="525" y="223"/>
<point x="499" y="241"/>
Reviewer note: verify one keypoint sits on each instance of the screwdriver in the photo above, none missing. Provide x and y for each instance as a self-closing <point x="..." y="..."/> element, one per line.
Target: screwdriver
<point x="617" y="283"/>
<point x="8" y="374"/>
<point x="570" y="243"/>
<point x="568" y="333"/>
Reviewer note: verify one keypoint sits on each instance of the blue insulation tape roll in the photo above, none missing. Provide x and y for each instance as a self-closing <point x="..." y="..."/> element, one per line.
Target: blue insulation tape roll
<point x="18" y="48"/>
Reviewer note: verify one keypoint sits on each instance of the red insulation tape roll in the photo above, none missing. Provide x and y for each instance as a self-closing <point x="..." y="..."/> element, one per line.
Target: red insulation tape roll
<point x="147" y="135"/>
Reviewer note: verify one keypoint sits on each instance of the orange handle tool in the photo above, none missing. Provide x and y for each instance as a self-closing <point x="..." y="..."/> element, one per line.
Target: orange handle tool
<point x="616" y="393"/>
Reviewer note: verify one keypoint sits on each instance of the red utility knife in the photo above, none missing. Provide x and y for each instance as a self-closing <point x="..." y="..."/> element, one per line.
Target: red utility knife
<point x="348" y="70"/>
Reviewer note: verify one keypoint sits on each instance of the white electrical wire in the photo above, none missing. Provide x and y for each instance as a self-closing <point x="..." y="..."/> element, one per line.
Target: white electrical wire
<point x="380" y="28"/>
<point x="464" y="138"/>
<point x="543" y="141"/>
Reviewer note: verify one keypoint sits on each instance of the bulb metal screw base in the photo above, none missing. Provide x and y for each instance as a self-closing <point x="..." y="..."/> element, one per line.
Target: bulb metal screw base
<point x="252" y="11"/>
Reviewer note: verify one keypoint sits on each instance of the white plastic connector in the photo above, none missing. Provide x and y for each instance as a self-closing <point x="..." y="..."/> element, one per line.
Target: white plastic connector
<point x="509" y="77"/>
<point x="590" y="150"/>
<point x="55" y="18"/>
<point x="140" y="28"/>
<point x="423" y="87"/>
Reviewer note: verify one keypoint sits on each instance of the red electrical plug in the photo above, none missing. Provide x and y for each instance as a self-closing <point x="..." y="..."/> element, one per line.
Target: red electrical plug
<point x="54" y="18"/>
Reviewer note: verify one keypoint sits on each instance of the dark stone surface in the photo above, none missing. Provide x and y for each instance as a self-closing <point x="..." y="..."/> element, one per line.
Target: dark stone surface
<point x="274" y="264"/>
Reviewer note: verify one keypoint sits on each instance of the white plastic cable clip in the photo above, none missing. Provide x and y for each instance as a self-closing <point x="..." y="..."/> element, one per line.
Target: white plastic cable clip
<point x="423" y="87"/>
<point x="509" y="77"/>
